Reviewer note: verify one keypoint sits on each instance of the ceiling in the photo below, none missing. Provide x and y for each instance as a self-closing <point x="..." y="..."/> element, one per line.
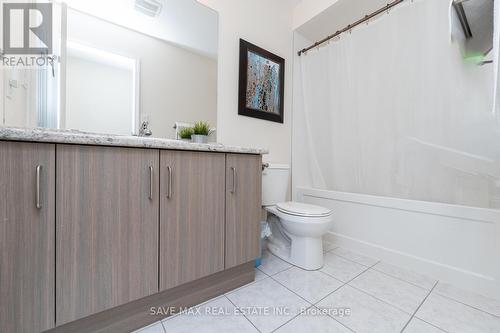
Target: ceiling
<point x="183" y="22"/>
<point x="338" y="16"/>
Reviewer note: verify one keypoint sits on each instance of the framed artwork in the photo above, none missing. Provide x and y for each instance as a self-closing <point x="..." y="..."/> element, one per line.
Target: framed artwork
<point x="261" y="84"/>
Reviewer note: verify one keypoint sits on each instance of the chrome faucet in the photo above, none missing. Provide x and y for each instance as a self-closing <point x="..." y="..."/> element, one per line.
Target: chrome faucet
<point x="144" y="130"/>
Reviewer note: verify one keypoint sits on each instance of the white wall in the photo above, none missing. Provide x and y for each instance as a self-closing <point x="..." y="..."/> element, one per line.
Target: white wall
<point x="17" y="105"/>
<point x="175" y="85"/>
<point x="307" y="10"/>
<point x="331" y="15"/>
<point x="99" y="97"/>
<point x="267" y="24"/>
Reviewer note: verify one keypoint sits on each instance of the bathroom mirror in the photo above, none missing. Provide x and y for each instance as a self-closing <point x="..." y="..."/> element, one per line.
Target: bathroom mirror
<point x="124" y="67"/>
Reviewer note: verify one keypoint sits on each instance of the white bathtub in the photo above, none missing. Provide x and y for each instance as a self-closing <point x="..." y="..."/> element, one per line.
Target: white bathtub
<point x="456" y="244"/>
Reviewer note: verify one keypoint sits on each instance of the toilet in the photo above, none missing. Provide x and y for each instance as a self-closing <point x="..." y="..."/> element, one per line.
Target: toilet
<point x="297" y="228"/>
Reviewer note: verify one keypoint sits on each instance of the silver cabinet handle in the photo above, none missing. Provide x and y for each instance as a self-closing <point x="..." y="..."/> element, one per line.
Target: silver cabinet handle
<point x="233" y="190"/>
<point x="151" y="183"/>
<point x="169" y="184"/>
<point x="38" y="173"/>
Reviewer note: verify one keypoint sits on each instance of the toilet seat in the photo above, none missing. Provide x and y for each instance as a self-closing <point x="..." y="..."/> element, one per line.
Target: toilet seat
<point x="302" y="209"/>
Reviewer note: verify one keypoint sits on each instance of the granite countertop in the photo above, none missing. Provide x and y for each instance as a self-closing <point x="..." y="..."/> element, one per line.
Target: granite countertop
<point x="85" y="138"/>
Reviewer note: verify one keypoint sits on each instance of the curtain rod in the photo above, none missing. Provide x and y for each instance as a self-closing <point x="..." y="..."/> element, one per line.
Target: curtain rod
<point x="350" y="26"/>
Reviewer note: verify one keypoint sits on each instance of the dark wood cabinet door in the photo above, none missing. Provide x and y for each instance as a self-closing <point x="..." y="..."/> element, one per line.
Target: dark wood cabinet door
<point x="243" y="208"/>
<point x="191" y="216"/>
<point x="27" y="227"/>
<point x="107" y="228"/>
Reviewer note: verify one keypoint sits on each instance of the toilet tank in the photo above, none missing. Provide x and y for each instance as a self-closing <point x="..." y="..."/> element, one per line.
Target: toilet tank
<point x="275" y="180"/>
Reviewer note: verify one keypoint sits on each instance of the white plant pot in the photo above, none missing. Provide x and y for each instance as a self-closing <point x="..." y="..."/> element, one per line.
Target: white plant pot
<point x="199" y="138"/>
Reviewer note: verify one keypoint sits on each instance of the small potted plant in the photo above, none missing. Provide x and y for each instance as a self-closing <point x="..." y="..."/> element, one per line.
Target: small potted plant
<point x="201" y="130"/>
<point x="185" y="133"/>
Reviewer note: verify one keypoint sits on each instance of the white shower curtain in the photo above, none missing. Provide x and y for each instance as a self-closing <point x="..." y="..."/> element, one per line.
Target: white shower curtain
<point x="391" y="109"/>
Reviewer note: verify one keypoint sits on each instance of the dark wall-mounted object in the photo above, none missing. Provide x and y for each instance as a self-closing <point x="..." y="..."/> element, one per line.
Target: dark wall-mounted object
<point x="261" y="83"/>
<point x="475" y="19"/>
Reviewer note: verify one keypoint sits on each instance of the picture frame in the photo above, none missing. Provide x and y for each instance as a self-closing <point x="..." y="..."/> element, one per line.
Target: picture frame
<point x="261" y="83"/>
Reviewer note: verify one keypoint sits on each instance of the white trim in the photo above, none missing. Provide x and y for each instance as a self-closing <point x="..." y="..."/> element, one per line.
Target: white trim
<point x="136" y="95"/>
<point x="279" y="166"/>
<point x="61" y="119"/>
<point x="434" y="208"/>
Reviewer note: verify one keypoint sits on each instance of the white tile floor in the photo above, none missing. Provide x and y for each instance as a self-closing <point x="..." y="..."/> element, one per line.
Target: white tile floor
<point x="352" y="293"/>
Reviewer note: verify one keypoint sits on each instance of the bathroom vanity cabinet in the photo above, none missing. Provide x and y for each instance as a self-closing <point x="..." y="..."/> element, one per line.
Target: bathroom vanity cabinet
<point x="106" y="229"/>
<point x="94" y="235"/>
<point x="243" y="194"/>
<point x="191" y="216"/>
<point x="27" y="236"/>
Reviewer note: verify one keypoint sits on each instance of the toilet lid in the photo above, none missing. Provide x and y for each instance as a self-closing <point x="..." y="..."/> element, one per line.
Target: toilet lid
<point x="302" y="209"/>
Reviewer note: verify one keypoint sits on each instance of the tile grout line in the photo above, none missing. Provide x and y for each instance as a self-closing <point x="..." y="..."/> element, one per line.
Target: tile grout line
<point x="372" y="268"/>
<point x="431" y="324"/>
<point x="386" y="302"/>
<point x="344" y="283"/>
<point x="309" y="303"/>
<point x="248" y="284"/>
<point x="331" y="276"/>
<point x="342" y="286"/>
<point x="413" y="284"/>
<point x="379" y="299"/>
<point x="163" y="326"/>
<point x="343" y="325"/>
<point x="283" y="270"/>
<point x="367" y="268"/>
<point x="297" y="315"/>
<point x="418" y="308"/>
<point x="290" y="290"/>
<point x="293" y="292"/>
<point x="325" y="252"/>
<point x="354" y="261"/>
<point x="236" y="307"/>
<point x="470" y="306"/>
<point x="401" y="279"/>
<point x="376" y="270"/>
<point x="312" y="303"/>
<point x="272" y="278"/>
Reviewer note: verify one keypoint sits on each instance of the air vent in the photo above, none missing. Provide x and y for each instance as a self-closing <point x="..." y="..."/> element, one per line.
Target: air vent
<point x="149" y="7"/>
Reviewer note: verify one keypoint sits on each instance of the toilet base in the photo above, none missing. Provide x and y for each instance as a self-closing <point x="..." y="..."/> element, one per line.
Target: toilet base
<point x="303" y="252"/>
